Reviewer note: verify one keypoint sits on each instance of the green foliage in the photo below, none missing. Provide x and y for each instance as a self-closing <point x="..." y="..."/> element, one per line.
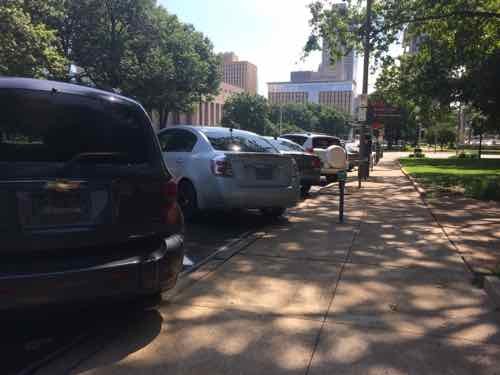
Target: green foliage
<point x="248" y="112"/>
<point x="252" y="112"/>
<point x="131" y="46"/>
<point x="311" y="118"/>
<point x="417" y="154"/>
<point x="458" y="54"/>
<point x="476" y="178"/>
<point x="443" y="133"/>
<point x="464" y="155"/>
<point x="28" y="47"/>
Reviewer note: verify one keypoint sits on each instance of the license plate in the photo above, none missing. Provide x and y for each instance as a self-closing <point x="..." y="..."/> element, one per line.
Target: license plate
<point x="48" y="208"/>
<point x="264" y="173"/>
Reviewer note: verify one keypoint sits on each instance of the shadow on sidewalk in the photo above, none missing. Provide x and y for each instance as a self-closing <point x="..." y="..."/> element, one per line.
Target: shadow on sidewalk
<point x="400" y="304"/>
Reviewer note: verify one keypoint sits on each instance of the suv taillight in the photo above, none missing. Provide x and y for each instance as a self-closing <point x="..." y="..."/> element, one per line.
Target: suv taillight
<point x="316" y="163"/>
<point x="221" y="166"/>
<point x="171" y="212"/>
<point x="310" y="150"/>
<point x="170" y="192"/>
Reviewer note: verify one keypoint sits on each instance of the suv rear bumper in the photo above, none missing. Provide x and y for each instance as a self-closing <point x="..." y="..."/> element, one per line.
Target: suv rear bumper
<point x="130" y="277"/>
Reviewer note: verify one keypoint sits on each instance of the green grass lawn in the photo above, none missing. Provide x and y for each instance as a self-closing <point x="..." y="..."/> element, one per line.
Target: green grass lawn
<point x="476" y="178"/>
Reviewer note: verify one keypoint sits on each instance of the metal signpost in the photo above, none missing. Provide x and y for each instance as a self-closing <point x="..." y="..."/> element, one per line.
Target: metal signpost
<point x="364" y="164"/>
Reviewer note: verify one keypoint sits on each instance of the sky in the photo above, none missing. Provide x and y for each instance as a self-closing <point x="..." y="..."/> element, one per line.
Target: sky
<point x="269" y="33"/>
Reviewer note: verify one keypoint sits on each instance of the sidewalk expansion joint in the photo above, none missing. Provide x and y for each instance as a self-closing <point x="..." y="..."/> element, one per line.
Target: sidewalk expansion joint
<point x="296" y="259"/>
<point x="356" y="233"/>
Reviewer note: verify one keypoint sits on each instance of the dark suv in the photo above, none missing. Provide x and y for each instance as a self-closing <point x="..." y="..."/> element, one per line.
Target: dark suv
<point x="87" y="207"/>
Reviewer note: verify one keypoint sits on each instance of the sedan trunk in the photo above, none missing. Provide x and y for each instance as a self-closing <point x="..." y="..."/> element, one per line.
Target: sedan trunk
<point x="261" y="169"/>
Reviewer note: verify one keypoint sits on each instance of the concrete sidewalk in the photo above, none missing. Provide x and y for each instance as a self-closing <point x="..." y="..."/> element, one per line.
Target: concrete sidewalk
<point x="384" y="293"/>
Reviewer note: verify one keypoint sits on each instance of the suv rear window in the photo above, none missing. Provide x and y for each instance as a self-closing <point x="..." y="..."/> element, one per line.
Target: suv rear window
<point x="325" y="142"/>
<point x="239" y="142"/>
<point x="299" y="139"/>
<point x="286" y="145"/>
<point x="45" y="129"/>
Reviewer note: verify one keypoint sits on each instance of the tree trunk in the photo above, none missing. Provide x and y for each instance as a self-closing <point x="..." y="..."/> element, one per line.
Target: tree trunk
<point x="480" y="151"/>
<point x="164" y="112"/>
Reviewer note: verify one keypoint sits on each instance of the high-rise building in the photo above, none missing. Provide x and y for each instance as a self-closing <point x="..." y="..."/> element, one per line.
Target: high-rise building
<point x="332" y="85"/>
<point x="239" y="73"/>
<point x="344" y="68"/>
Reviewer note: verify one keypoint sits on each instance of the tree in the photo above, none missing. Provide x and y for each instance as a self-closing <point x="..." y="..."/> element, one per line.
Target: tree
<point x="28" y="47"/>
<point x="311" y="117"/>
<point x="457" y="40"/>
<point x="480" y="125"/>
<point x="142" y="51"/>
<point x="248" y="112"/>
<point x="104" y="38"/>
<point x="172" y="68"/>
<point x="331" y="121"/>
<point x="442" y="133"/>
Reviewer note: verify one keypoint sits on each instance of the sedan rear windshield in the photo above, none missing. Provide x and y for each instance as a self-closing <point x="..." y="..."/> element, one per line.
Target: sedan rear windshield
<point x="286" y="145"/>
<point x="45" y="131"/>
<point x="239" y="142"/>
<point x="325" y="142"/>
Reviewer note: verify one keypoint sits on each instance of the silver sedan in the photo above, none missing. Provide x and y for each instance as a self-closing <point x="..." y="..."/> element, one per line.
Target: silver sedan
<point x="223" y="168"/>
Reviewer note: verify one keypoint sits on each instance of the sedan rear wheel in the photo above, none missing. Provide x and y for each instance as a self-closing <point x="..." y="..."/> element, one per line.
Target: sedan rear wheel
<point x="188" y="199"/>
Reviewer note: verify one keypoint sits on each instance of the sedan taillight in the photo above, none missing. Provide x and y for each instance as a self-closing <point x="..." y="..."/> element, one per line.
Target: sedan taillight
<point x="222" y="167"/>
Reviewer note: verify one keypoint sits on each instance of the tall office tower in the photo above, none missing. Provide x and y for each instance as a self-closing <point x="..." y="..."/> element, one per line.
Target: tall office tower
<point x="239" y="73"/>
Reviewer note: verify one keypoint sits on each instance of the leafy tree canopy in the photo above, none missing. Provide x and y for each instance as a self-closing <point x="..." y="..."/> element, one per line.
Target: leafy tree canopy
<point x="458" y="45"/>
<point x="130" y="46"/>
<point x="246" y="111"/>
<point x="28" y="47"/>
<point x="312" y="118"/>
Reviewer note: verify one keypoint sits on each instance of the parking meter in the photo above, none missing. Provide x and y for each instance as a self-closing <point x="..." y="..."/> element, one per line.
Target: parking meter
<point x="342" y="177"/>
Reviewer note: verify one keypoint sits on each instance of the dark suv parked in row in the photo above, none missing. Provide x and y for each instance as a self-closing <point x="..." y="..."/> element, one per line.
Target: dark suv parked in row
<point x="87" y="207"/>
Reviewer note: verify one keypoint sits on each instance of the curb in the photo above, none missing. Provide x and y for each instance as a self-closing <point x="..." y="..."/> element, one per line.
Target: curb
<point x="477" y="278"/>
<point x="421" y="190"/>
<point x="212" y="262"/>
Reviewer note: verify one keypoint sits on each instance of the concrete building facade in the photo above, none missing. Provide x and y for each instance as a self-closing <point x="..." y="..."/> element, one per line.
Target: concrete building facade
<point x="340" y="95"/>
<point x="332" y="85"/>
<point x="204" y="113"/>
<point x="239" y="73"/>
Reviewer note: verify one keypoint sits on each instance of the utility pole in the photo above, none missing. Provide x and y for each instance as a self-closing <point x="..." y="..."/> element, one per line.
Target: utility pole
<point x="364" y="166"/>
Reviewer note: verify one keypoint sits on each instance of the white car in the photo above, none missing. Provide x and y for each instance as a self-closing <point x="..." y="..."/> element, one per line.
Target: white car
<point x="222" y="168"/>
<point x="328" y="148"/>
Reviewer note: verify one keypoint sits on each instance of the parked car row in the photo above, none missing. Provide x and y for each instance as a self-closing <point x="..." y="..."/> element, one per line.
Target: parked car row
<point x="93" y="201"/>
